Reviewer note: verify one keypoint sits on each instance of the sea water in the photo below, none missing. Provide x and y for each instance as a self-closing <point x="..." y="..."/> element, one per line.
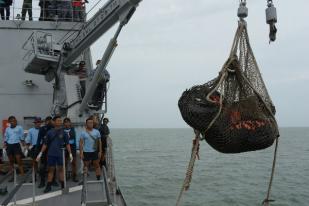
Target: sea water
<point x="151" y="166"/>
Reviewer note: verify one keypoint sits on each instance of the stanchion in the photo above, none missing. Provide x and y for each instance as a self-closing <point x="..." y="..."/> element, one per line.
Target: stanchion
<point x="65" y="190"/>
<point x="33" y="187"/>
<point x="15" y="181"/>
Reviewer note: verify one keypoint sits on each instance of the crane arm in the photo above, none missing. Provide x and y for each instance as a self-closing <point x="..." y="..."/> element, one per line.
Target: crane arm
<point x="45" y="55"/>
<point x="112" y="12"/>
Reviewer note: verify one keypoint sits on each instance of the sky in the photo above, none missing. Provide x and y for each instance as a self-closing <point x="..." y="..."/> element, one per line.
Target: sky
<point x="171" y="45"/>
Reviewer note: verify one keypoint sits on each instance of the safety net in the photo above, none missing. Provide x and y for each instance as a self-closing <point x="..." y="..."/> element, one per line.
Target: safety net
<point x="234" y="111"/>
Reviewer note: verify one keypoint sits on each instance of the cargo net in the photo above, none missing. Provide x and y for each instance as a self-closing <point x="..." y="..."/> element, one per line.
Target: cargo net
<point x="233" y="111"/>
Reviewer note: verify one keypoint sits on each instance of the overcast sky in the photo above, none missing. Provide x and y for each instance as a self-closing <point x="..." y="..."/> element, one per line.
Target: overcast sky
<point x="171" y="45"/>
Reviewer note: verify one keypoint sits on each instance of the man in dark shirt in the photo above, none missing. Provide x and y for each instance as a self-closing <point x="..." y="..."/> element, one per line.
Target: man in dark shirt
<point x="41" y="136"/>
<point x="70" y="132"/>
<point x="55" y="139"/>
<point x="104" y="132"/>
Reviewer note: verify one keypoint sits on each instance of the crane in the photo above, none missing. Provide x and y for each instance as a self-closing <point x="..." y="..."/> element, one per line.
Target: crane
<point x="57" y="60"/>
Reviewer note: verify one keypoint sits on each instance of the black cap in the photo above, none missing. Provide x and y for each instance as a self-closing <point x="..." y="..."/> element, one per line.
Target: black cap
<point x="48" y="118"/>
<point x="37" y="120"/>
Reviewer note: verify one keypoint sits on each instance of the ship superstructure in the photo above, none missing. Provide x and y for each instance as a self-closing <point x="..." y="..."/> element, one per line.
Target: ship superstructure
<point x="41" y="75"/>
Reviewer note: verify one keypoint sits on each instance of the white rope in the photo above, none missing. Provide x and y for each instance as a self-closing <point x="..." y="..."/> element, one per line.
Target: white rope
<point x="188" y="178"/>
<point x="267" y="200"/>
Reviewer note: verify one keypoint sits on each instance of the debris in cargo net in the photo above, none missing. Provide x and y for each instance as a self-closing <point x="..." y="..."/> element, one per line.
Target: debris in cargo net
<point x="234" y="111"/>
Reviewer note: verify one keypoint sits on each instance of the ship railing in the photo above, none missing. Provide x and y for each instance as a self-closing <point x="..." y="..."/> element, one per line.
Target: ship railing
<point x="17" y="186"/>
<point x="53" y="12"/>
<point x="111" y="174"/>
<point x="109" y="160"/>
<point x="41" y="43"/>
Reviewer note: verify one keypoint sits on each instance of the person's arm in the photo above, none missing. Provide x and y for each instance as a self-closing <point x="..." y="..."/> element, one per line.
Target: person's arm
<point x="100" y="144"/>
<point x="28" y="138"/>
<point x="73" y="134"/>
<point x="81" y="148"/>
<point x="70" y="152"/>
<point x="44" y="147"/>
<point x="5" y="138"/>
<point x="68" y="147"/>
<point x="21" y="136"/>
<point x="38" y="141"/>
<point x="108" y="131"/>
<point x="100" y="148"/>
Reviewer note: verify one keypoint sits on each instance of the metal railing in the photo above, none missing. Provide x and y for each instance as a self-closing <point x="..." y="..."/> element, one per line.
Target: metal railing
<point x="109" y="161"/>
<point x="104" y="186"/>
<point x="17" y="186"/>
<point x="39" y="43"/>
<point x="45" y="10"/>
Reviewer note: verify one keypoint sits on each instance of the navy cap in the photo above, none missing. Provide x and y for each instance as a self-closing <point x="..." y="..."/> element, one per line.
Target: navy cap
<point x="37" y="119"/>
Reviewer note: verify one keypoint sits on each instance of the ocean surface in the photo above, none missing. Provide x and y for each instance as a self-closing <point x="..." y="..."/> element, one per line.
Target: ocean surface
<point x="151" y="166"/>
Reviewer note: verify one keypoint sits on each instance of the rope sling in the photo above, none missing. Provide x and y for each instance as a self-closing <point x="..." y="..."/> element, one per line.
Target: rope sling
<point x="233" y="112"/>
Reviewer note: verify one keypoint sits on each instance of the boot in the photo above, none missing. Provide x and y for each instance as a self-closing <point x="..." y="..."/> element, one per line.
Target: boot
<point x="47" y="188"/>
<point x="55" y="184"/>
<point x="11" y="180"/>
<point x="62" y="184"/>
<point x="42" y="184"/>
<point x="74" y="179"/>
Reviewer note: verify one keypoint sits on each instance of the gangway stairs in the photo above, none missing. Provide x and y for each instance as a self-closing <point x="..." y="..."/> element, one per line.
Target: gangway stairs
<point x="92" y="189"/>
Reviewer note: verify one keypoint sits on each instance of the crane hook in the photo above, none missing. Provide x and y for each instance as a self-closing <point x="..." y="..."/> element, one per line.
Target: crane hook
<point x="271" y="19"/>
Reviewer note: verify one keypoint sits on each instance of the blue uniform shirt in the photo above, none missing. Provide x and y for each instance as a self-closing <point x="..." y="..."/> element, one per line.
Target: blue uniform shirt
<point x="42" y="134"/>
<point x="14" y="135"/>
<point x="88" y="141"/>
<point x="55" y="141"/>
<point x="71" y="135"/>
<point x="32" y="136"/>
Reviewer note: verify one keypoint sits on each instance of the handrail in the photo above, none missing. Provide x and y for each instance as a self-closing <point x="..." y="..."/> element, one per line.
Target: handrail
<point x="108" y="197"/>
<point x="5" y="177"/>
<point x="16" y="188"/>
<point x="84" y="190"/>
<point x="84" y="187"/>
<point x="40" y="12"/>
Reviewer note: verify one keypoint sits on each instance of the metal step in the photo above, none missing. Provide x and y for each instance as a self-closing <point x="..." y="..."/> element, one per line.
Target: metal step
<point x="96" y="203"/>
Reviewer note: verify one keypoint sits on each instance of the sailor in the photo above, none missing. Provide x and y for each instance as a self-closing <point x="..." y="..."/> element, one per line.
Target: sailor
<point x="55" y="140"/>
<point x="78" y="10"/>
<point x="90" y="147"/>
<point x="100" y="91"/>
<point x="64" y="10"/>
<point x="13" y="136"/>
<point x="5" y="6"/>
<point x="71" y="134"/>
<point x="44" y="13"/>
<point x="41" y="136"/>
<point x="82" y="74"/>
<point x="31" y="141"/>
<point x="27" y="7"/>
<point x="104" y="132"/>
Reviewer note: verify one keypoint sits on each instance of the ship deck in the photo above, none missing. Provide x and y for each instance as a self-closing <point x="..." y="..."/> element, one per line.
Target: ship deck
<point x="103" y="192"/>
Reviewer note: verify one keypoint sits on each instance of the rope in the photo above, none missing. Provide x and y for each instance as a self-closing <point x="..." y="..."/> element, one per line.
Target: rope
<point x="242" y="27"/>
<point x="188" y="178"/>
<point x="195" y="146"/>
<point x="267" y="200"/>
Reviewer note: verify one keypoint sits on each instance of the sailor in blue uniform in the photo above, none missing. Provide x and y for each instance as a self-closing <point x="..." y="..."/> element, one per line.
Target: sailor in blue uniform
<point x="90" y="147"/>
<point x="55" y="140"/>
<point x="31" y="141"/>
<point x="13" y="136"/>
